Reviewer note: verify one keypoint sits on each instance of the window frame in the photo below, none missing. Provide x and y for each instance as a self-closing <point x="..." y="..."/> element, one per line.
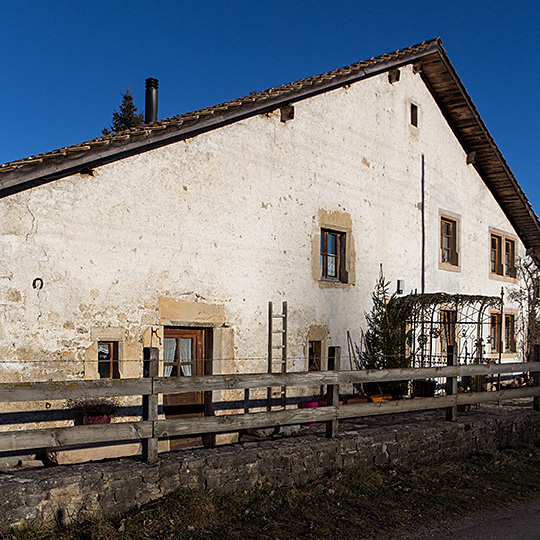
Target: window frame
<point x="339" y="256"/>
<point x="503" y="334"/>
<point x="509" y="344"/>
<point x="495" y="332"/>
<point x="414" y="114"/>
<point x="450" y="261"/>
<point x="502" y="255"/>
<point x="448" y="321"/>
<point x="113" y="362"/>
<point x="315" y="355"/>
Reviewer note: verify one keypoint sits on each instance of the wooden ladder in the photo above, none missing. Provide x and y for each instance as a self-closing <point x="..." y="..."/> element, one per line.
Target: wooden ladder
<point x="279" y="364"/>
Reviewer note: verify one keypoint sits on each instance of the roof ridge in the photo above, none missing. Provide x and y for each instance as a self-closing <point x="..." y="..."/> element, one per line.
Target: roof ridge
<point x="147" y="129"/>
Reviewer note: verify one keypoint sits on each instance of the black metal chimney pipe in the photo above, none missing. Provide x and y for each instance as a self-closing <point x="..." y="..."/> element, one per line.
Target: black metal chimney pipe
<point x="151" y="100"/>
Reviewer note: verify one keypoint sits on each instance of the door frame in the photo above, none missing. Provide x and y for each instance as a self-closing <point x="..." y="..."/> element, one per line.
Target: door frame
<point x="203" y="365"/>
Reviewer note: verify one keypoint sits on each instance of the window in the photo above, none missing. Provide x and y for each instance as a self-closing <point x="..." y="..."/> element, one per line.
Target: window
<point x="496" y="262"/>
<point x="314" y="356"/>
<point x="509" y="333"/>
<point x="509" y="258"/>
<point x="448" y="320"/>
<point x="414" y="115"/>
<point x="502" y="261"/>
<point x="333" y="256"/>
<point x="449" y="243"/>
<point x="495" y="332"/>
<point x="504" y="327"/>
<point x="108" y="360"/>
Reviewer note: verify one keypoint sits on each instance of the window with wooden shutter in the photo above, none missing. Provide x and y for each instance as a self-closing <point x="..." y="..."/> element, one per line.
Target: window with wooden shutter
<point x="449" y="243"/>
<point x="496" y="255"/>
<point x="509" y="258"/>
<point x="502" y="255"/>
<point x="495" y="332"/>
<point x="509" y="333"/>
<point x="108" y="360"/>
<point x="333" y="256"/>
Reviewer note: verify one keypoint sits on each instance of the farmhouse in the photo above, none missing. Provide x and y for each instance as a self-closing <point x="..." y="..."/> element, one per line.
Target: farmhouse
<point x="177" y="234"/>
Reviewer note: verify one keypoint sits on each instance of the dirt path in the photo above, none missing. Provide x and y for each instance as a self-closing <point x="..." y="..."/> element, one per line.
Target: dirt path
<point x="519" y="522"/>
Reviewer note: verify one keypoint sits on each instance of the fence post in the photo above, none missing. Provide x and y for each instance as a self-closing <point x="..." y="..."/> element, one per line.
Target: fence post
<point x="332" y="393"/>
<point x="150" y="409"/>
<point x="451" y="384"/>
<point x="536" y="377"/>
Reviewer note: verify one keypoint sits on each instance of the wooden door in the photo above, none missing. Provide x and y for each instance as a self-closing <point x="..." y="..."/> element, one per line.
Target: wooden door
<point x="183" y="356"/>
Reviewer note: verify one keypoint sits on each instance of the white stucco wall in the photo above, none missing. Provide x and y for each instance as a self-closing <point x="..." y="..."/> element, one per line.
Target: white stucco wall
<point x="228" y="219"/>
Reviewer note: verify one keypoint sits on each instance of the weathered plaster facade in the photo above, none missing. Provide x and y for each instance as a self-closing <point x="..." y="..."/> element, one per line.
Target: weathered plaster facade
<point x="205" y="231"/>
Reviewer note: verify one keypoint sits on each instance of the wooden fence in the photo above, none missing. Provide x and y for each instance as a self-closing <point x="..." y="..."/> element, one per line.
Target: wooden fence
<point x="151" y="428"/>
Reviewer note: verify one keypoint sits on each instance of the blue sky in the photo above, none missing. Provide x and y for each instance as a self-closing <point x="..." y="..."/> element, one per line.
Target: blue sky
<point x="64" y="64"/>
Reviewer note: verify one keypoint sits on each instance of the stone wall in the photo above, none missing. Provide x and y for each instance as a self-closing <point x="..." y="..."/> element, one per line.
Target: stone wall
<point x="67" y="493"/>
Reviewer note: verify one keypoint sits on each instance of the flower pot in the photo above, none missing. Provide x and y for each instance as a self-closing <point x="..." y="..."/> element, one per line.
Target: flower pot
<point x="93" y="420"/>
<point x="379" y="398"/>
<point x="310" y="405"/>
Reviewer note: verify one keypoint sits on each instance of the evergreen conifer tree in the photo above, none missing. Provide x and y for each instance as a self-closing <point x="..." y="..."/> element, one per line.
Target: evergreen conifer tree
<point x="126" y="117"/>
<point x="386" y="336"/>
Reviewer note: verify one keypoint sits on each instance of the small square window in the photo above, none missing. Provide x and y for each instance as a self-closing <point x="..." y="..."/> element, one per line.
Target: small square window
<point x="108" y="360"/>
<point x="414" y="115"/>
<point x="333" y="256"/>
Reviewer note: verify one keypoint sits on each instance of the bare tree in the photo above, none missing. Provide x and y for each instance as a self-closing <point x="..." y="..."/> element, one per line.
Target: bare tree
<point x="527" y="296"/>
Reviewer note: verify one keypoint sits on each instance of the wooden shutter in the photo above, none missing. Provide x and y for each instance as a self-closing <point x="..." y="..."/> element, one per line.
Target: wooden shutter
<point x="512" y="272"/>
<point x="343" y="274"/>
<point x="500" y="266"/>
<point x="454" y="256"/>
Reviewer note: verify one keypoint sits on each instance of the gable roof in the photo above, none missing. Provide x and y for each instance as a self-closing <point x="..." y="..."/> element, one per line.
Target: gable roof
<point x="430" y="60"/>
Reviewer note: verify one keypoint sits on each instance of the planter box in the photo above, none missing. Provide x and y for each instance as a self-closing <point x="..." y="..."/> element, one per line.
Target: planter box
<point x="380" y="399"/>
<point x="353" y="400"/>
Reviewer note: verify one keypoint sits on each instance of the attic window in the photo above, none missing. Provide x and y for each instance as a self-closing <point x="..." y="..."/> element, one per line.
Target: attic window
<point x="414" y="115"/>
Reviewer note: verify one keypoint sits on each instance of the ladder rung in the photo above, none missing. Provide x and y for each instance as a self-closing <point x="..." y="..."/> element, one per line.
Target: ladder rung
<point x="280" y="316"/>
<point x="278" y="331"/>
<point x="278" y="346"/>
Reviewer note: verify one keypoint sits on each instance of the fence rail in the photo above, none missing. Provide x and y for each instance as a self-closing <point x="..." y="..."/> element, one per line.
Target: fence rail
<point x="150" y="428"/>
<point x="60" y="390"/>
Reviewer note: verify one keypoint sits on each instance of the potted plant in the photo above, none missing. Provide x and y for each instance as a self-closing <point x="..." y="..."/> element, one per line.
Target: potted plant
<point x="93" y="410"/>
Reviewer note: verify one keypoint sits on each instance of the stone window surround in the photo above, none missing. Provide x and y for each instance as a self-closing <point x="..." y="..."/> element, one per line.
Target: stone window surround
<point x="504" y="236"/>
<point x="456" y="218"/>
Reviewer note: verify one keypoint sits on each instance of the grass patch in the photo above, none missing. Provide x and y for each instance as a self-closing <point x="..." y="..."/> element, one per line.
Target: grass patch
<point x="351" y="504"/>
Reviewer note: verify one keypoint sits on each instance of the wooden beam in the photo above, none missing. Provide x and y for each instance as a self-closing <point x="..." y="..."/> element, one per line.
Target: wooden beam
<point x="55" y="390"/>
<point x="150" y="409"/>
<point x="66" y="436"/>
<point x="235" y="422"/>
<point x="60" y="390"/>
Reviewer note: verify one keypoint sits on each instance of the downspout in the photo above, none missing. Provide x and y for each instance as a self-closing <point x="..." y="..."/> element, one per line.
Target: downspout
<point x="423" y="277"/>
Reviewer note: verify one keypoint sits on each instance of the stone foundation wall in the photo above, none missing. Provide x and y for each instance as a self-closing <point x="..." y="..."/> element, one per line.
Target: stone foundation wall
<point x="68" y="493"/>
